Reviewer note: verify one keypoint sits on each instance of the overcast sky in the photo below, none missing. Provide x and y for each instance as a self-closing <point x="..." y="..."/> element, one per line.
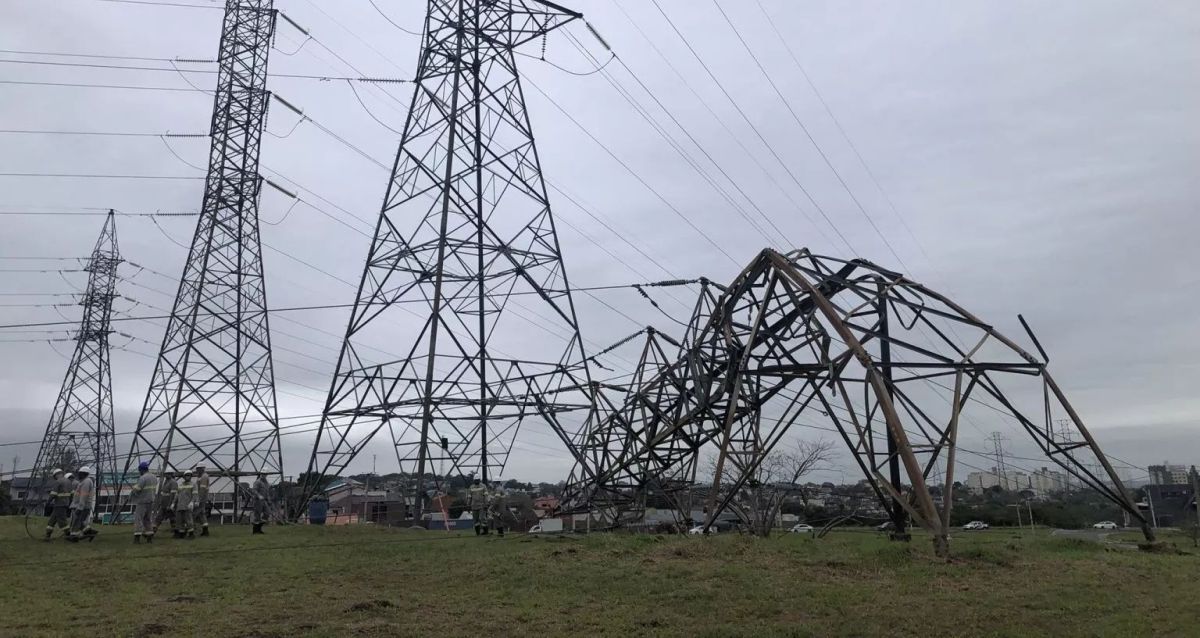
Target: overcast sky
<point x="1031" y="157"/>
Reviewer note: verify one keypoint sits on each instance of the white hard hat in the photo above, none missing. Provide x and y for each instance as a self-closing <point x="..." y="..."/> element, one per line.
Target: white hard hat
<point x="70" y="475"/>
<point x="55" y="471"/>
<point x="85" y="470"/>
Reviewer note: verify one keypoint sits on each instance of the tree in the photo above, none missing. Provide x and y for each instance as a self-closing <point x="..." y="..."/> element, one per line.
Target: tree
<point x="759" y="501"/>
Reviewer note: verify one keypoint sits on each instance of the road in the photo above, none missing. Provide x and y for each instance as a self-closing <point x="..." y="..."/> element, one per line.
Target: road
<point x="1097" y="535"/>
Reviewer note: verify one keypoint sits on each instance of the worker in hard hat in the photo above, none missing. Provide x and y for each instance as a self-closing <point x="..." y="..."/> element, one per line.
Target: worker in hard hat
<point x="60" y="503"/>
<point x="167" y="487"/>
<point x="72" y="481"/>
<point x="142" y="496"/>
<point x="498" y="507"/>
<point x="200" y="515"/>
<point x="185" y="496"/>
<point x="83" y="503"/>
<point x="261" y="493"/>
<point x="477" y="501"/>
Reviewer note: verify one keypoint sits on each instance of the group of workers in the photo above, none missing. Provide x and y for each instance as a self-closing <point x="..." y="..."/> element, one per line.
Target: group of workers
<point x="72" y="499"/>
<point x="489" y="507"/>
<point x="183" y="504"/>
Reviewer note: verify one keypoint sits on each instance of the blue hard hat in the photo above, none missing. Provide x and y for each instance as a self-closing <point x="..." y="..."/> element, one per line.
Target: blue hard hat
<point x="144" y="465"/>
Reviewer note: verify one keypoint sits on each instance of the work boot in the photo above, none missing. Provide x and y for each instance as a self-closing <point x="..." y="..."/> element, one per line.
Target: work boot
<point x="137" y="539"/>
<point x="478" y="531"/>
<point x="500" y="532"/>
<point x="191" y="534"/>
<point x="49" y="534"/>
<point x="204" y="531"/>
<point x="257" y="529"/>
<point x="149" y="538"/>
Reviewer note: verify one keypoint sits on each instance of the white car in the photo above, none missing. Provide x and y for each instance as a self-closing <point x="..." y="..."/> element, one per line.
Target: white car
<point x="802" y="528"/>
<point x="699" y="529"/>
<point x="1105" y="525"/>
<point x="975" y="525"/>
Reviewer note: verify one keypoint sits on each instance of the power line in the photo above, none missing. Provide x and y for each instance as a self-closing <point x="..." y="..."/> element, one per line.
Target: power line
<point x="162" y="3"/>
<point x="623" y="237"/>
<point x="807" y="134"/>
<point x="106" y="86"/>
<point x="838" y="124"/>
<point x="724" y="125"/>
<point x="677" y="146"/>
<point x="102" y="176"/>
<point x="754" y="128"/>
<point x="302" y="76"/>
<point x="101" y="133"/>
<point x="636" y="175"/>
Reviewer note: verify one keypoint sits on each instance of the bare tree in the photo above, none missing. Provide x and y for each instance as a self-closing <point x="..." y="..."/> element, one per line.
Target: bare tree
<point x="760" y="499"/>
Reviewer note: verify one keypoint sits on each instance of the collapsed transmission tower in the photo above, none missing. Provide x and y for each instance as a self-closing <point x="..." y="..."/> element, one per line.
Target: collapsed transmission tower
<point x="212" y="397"/>
<point x="466" y="232"/>
<point x="80" y="431"/>
<point x="622" y="421"/>
<point x="847" y="347"/>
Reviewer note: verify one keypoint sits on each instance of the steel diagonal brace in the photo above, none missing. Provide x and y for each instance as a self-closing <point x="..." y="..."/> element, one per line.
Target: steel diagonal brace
<point x="928" y="510"/>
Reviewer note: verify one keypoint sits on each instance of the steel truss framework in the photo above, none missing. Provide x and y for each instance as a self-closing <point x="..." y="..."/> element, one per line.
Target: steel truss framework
<point x="81" y="431"/>
<point x="466" y="229"/>
<point x="888" y="365"/>
<point x="211" y="400"/>
<point x="623" y="421"/>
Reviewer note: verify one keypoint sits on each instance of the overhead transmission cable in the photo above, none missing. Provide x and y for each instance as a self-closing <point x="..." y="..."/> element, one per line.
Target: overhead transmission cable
<point x="402" y="110"/>
<point x="758" y="133"/>
<point x="820" y="151"/>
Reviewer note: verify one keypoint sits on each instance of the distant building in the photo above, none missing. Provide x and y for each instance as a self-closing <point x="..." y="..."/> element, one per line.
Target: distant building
<point x="1167" y="474"/>
<point x="1008" y="480"/>
<point x="351" y="502"/>
<point x="1171" y="505"/>
<point x="544" y="506"/>
<point x="1045" y="482"/>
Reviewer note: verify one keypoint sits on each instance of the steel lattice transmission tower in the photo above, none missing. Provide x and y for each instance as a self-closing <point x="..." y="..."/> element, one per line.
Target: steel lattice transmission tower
<point x="466" y="236"/>
<point x="212" y="397"/>
<point x="80" y="431"/>
<point x="802" y="341"/>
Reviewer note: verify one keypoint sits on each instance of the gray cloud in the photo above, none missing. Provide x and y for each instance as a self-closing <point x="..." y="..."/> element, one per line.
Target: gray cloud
<point x="1044" y="156"/>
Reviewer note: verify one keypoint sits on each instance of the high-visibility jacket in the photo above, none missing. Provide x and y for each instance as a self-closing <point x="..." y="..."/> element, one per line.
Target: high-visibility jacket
<point x="60" y="492"/>
<point x="202" y="488"/>
<point x="184" y="495"/>
<point x="166" y="491"/>
<point x="85" y="495"/>
<point x="477" y="497"/>
<point x="261" y="489"/>
<point x="144" y="490"/>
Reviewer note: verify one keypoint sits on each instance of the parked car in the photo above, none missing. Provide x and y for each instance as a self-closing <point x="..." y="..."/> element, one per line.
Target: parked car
<point x="802" y="528"/>
<point x="975" y="525"/>
<point x="1105" y="525"/>
<point x="699" y="529"/>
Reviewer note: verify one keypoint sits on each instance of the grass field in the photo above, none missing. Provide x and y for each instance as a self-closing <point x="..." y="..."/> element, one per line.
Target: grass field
<point x="366" y="581"/>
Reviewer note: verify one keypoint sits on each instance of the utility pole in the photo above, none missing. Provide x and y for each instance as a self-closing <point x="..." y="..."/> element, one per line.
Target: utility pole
<point x="1001" y="470"/>
<point x="214" y="369"/>
<point x="465" y="231"/>
<point x="1196" y="505"/>
<point x="1065" y="436"/>
<point x="81" y="426"/>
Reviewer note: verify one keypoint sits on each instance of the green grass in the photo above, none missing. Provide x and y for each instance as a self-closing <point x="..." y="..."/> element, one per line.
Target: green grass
<point x="381" y="582"/>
